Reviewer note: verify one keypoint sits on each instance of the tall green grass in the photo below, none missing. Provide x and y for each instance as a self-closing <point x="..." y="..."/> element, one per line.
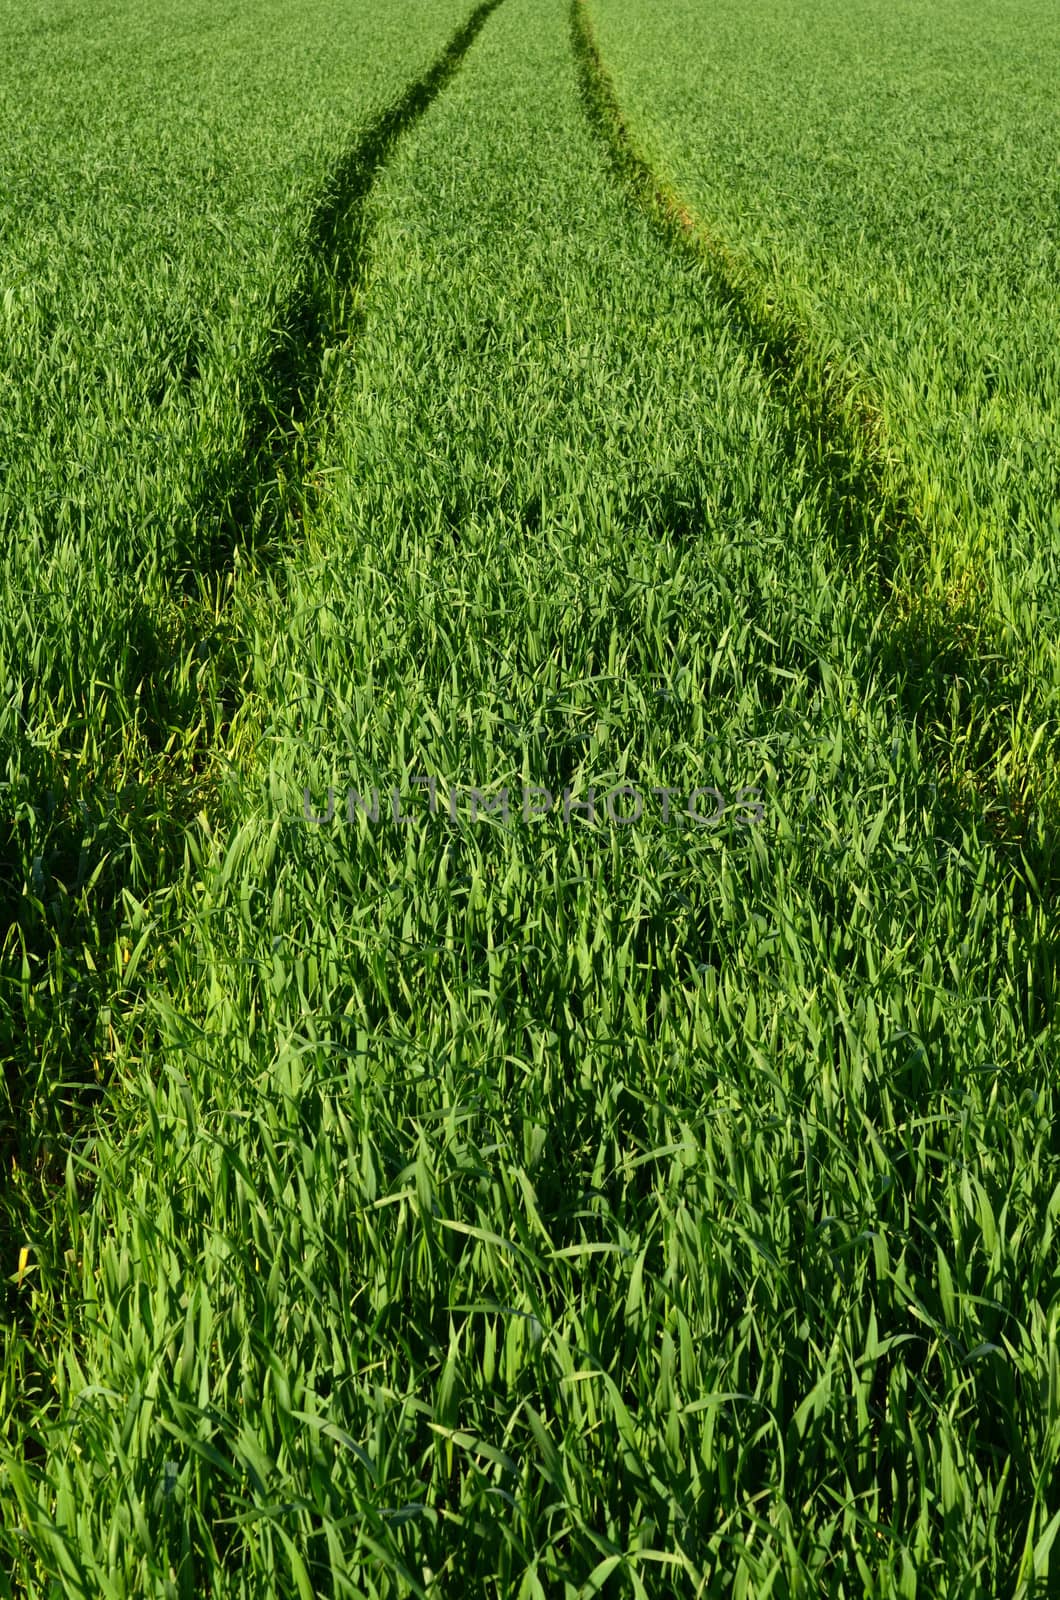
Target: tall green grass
<point x="166" y="278"/>
<point x="878" y="183"/>
<point x="557" y="1208"/>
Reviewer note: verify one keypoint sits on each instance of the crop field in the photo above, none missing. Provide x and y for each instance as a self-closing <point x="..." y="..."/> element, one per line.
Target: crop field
<point x="880" y="186"/>
<point x="528" y="725"/>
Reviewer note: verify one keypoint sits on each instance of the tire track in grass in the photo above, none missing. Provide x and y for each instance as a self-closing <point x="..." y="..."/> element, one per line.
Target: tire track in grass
<point x="321" y="312"/>
<point x="250" y="502"/>
<point x="76" y="951"/>
<point x="970" y="701"/>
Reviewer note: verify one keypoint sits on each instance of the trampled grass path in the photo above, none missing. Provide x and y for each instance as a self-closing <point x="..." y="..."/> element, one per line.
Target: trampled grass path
<point x="321" y="310"/>
<point x="257" y="501"/>
<point x="988" y="744"/>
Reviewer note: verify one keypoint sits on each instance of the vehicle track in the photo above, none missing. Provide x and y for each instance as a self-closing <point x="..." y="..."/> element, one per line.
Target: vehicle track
<point x="952" y="679"/>
<point x="321" y="311"/>
<point x="109" y="836"/>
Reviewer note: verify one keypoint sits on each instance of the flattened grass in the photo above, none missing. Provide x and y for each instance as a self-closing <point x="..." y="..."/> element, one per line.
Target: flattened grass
<point x="167" y="243"/>
<point x="877" y="184"/>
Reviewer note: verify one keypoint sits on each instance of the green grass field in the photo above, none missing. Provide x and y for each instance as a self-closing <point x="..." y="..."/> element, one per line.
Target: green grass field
<point x="879" y="183"/>
<point x="528" y="986"/>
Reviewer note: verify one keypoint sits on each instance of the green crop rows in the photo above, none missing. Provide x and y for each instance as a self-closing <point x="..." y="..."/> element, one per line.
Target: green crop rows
<point x="528" y="981"/>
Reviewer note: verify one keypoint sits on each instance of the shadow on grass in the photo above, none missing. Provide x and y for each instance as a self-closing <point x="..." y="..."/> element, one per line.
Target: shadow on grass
<point x="959" y="693"/>
<point x="939" y="663"/>
<point x="80" y="837"/>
